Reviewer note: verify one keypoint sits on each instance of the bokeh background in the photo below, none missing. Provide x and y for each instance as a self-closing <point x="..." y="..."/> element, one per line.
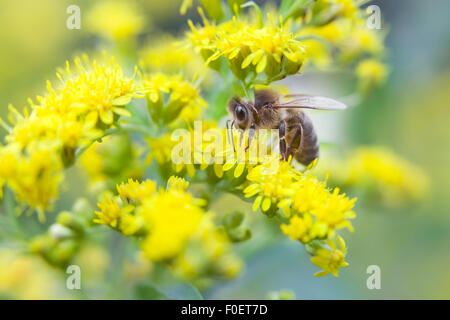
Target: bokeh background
<point x="410" y="114"/>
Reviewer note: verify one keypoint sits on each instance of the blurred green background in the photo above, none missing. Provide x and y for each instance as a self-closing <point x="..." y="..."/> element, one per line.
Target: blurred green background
<point x="410" y="114"/>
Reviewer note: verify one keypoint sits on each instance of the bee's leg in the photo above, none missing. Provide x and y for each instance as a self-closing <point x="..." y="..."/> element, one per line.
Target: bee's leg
<point x="297" y="140"/>
<point x="251" y="134"/>
<point x="230" y="133"/>
<point x="282" y="133"/>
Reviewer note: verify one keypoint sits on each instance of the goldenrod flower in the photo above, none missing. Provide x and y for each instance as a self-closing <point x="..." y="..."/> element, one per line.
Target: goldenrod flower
<point x="111" y="212"/>
<point x="345" y="8"/>
<point x="371" y="73"/>
<point x="177" y="183"/>
<point x="270" y="187"/>
<point x="330" y="259"/>
<point x="33" y="175"/>
<point x="304" y="229"/>
<point x="115" y="20"/>
<point x="381" y="173"/>
<point x="161" y="150"/>
<point x="209" y="253"/>
<point x="45" y="139"/>
<point x="250" y="50"/>
<point x="133" y="190"/>
<point x="171" y="56"/>
<point x="27" y="277"/>
<point x="394" y="177"/>
<point x="172" y="228"/>
<point x="170" y="97"/>
<point x="320" y="211"/>
<point x="172" y="218"/>
<point x="96" y="93"/>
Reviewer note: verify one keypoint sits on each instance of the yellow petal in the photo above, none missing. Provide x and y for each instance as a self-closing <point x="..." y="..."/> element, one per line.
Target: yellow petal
<point x="218" y="170"/>
<point x="239" y="170"/>
<point x="122" y="112"/>
<point x="107" y="116"/>
<point x="247" y="61"/>
<point x="266" y="204"/>
<point x="257" y="203"/>
<point x="261" y="65"/>
<point x="91" y="119"/>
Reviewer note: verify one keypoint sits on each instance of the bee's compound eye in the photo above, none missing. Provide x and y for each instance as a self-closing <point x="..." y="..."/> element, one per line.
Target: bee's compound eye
<point x="240" y="112"/>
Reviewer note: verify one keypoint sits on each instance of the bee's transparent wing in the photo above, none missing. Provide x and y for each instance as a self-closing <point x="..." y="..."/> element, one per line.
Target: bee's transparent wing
<point x="311" y="102"/>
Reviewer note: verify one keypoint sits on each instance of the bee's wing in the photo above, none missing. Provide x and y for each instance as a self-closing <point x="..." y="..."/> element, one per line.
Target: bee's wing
<point x="311" y="102"/>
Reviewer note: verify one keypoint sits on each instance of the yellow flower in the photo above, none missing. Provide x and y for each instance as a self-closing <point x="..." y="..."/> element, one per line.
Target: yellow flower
<point x="330" y="259"/>
<point x="371" y="73"/>
<point x="95" y="93"/>
<point x="58" y="130"/>
<point x="361" y="40"/>
<point x="304" y="229"/>
<point x="161" y="150"/>
<point x="34" y="176"/>
<point x="172" y="217"/>
<point x="133" y="190"/>
<point x="66" y="118"/>
<point x="115" y="20"/>
<point x="347" y="8"/>
<point x="177" y="183"/>
<point x="170" y="97"/>
<point x="172" y="228"/>
<point x="394" y="178"/>
<point x="320" y="212"/>
<point x="209" y="252"/>
<point x="27" y="277"/>
<point x="111" y="212"/>
<point x="171" y="56"/>
<point x="269" y="51"/>
<point x="271" y="182"/>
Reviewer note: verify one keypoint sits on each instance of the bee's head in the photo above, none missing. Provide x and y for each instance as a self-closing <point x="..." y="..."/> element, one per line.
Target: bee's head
<point x="240" y="112"/>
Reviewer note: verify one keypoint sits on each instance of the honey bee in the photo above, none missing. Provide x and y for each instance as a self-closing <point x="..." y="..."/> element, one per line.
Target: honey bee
<point x="298" y="138"/>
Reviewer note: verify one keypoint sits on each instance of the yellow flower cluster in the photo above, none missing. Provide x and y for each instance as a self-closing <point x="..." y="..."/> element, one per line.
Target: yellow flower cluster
<point x="314" y="211"/>
<point x="254" y="53"/>
<point x="371" y="73"/>
<point x="27" y="277"/>
<point x="352" y="38"/>
<point x="336" y="32"/>
<point x="44" y="140"/>
<point x="379" y="172"/>
<point x="171" y="56"/>
<point x="216" y="151"/>
<point x="170" y="97"/>
<point x="115" y="20"/>
<point x="330" y="258"/>
<point x="394" y="177"/>
<point x="171" y="226"/>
